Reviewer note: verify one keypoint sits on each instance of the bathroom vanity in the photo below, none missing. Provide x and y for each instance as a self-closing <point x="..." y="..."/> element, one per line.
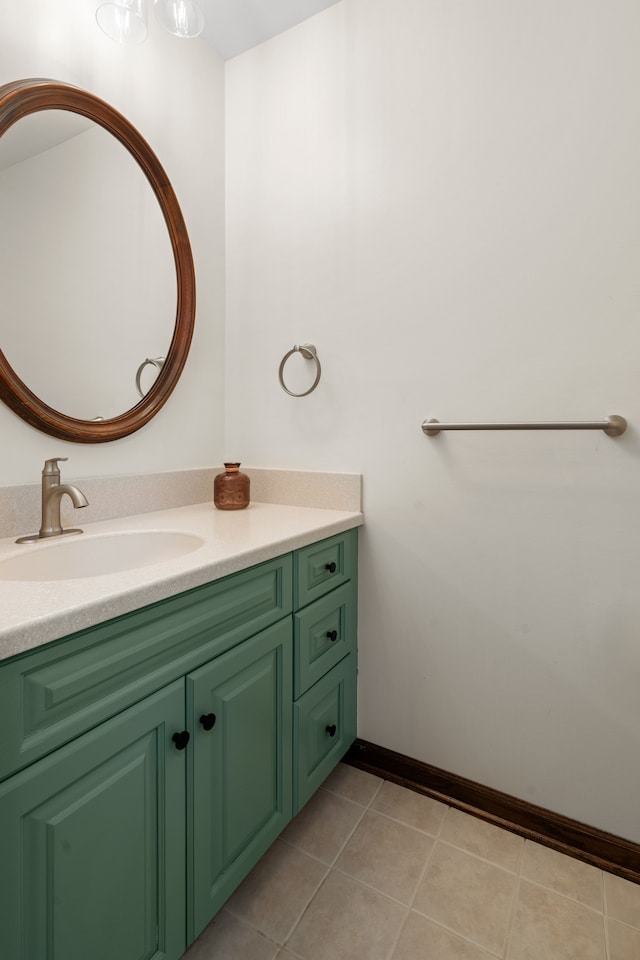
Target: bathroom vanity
<point x="148" y="760"/>
<point x="175" y="685"/>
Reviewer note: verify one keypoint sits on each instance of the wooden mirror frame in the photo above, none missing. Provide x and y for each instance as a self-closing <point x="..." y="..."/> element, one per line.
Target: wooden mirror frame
<point x="17" y="100"/>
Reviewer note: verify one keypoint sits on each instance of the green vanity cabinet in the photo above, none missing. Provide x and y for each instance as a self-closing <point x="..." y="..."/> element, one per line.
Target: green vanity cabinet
<point x="325" y="658"/>
<point x="146" y="764"/>
<point x="240" y="710"/>
<point x="93" y="843"/>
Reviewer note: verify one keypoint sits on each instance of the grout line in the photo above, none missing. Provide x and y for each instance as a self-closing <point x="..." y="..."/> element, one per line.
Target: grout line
<point x="512" y="916"/>
<point x="350" y="799"/>
<point x="303" y="910"/>
<point x="460" y="936"/>
<point x="428" y="861"/>
<point x="295" y="923"/>
<point x="565" y="896"/>
<point x="329" y="863"/>
<point x="398" y="935"/>
<point x="602" y="892"/>
<point x="351" y="833"/>
<point x="456" y="933"/>
<point x="369" y="886"/>
<point x="324" y="863"/>
<point x="403" y="823"/>
<point x="477" y="856"/>
<point x="299" y="920"/>
<point x="514" y="902"/>
<point x="243" y="923"/>
<point x="380" y="786"/>
<point x="411" y="826"/>
<point x="607" y="944"/>
<point x="336" y="869"/>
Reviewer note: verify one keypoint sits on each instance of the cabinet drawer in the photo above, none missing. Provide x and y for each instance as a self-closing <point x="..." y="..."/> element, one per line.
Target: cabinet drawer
<point x="323" y="566"/>
<point x="51" y="696"/>
<point x="324" y="727"/>
<point x="324" y="633"/>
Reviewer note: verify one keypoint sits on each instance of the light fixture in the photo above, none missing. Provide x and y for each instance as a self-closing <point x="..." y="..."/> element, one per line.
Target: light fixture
<point x="182" y="18"/>
<point x="126" y="20"/>
<point x="123" y="20"/>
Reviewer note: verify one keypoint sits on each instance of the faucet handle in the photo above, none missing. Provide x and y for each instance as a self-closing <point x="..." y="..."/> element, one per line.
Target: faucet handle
<point x="51" y="467"/>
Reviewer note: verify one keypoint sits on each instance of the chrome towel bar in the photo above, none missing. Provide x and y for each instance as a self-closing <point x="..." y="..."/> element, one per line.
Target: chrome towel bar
<point x="613" y="426"/>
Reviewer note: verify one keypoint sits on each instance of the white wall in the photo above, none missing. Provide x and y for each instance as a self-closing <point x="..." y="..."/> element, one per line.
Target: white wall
<point x="173" y="92"/>
<point x="445" y="199"/>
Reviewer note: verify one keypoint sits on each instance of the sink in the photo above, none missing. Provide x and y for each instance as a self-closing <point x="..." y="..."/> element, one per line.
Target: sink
<point x="94" y="556"/>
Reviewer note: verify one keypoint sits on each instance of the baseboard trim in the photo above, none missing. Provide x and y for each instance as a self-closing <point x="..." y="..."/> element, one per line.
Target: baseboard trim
<point x="604" y="850"/>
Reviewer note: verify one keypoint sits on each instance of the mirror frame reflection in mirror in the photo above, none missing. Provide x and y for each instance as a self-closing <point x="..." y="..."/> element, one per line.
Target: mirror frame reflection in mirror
<point x="21" y="98"/>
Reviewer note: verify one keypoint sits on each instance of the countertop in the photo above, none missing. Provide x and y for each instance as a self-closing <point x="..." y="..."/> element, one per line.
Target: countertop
<point x="34" y="613"/>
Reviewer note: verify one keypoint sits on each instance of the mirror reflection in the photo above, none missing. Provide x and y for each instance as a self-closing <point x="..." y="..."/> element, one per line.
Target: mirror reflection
<point x="86" y="266"/>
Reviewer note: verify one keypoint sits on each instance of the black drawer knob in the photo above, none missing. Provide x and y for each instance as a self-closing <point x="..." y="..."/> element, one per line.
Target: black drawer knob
<point x="332" y="635"/>
<point x="181" y="739"/>
<point x="208" y="720"/>
<point x="331" y="567"/>
<point x="331" y="729"/>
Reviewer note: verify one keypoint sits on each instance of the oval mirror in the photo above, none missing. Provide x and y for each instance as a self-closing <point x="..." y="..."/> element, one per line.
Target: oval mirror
<point x="104" y="308"/>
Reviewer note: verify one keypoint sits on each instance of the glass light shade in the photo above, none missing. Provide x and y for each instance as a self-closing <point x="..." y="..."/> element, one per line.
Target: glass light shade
<point x="182" y="18"/>
<point x="123" y="20"/>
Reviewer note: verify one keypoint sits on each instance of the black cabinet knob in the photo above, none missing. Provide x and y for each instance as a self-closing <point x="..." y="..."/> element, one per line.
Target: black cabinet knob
<point x="208" y="720"/>
<point x="331" y="567"/>
<point x="181" y="739"/>
<point x="331" y="729"/>
<point x="332" y="635"/>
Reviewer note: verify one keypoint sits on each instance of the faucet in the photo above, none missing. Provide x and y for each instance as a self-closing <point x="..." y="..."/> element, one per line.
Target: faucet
<point x="52" y="493"/>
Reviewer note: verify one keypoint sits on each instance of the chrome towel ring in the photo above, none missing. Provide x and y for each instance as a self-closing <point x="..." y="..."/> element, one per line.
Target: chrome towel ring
<point x="157" y="362"/>
<point x="309" y="352"/>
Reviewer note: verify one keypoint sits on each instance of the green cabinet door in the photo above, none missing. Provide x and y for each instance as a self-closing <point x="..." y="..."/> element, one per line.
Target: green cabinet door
<point x="92" y="843"/>
<point x="241" y="765"/>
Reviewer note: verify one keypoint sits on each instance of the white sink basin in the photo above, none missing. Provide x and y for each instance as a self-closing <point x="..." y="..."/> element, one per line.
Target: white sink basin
<point x="93" y="556"/>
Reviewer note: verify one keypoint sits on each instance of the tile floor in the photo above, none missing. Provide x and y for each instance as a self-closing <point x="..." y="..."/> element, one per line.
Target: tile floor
<point x="372" y="871"/>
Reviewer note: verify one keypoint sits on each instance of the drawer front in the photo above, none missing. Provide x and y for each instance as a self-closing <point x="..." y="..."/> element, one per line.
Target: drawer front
<point x="53" y="695"/>
<point x="324" y="727"/>
<point x="324" y="633"/>
<point x="324" y="566"/>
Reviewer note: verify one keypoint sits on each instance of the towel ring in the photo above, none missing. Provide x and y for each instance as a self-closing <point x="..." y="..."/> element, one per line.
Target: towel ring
<point x="157" y="362"/>
<point x="309" y="352"/>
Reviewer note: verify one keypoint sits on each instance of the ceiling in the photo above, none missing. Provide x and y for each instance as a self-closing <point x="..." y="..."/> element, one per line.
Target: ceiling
<point x="233" y="26"/>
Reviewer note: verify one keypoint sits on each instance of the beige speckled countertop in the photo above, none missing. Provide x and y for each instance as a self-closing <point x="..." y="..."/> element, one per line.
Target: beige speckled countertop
<point x="33" y="613"/>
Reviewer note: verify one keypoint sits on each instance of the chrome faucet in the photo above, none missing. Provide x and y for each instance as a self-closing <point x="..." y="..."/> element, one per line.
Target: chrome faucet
<point x="52" y="493"/>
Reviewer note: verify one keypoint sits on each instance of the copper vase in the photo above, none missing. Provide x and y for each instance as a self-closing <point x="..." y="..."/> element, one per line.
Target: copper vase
<point x="231" y="489"/>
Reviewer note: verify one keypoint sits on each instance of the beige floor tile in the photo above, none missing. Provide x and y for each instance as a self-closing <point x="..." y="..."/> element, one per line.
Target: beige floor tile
<point x="347" y="921"/>
<point x="277" y="890"/>
<point x="624" y="942"/>
<point x="469" y="896"/>
<point x="323" y="826"/>
<point x="622" y="899"/>
<point x="482" y="838"/>
<point x="227" y="938"/>
<point x="574" y="879"/>
<point x="354" y="784"/>
<point x="386" y="855"/>
<point x="410" y="807"/>
<point x="548" y="926"/>
<point x="423" y="940"/>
